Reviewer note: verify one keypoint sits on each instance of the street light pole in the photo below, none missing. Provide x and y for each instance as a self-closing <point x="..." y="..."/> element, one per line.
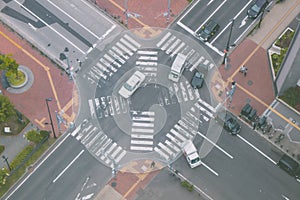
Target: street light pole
<point x="5" y="159"/>
<point x="228" y="42"/>
<point x="47" y="100"/>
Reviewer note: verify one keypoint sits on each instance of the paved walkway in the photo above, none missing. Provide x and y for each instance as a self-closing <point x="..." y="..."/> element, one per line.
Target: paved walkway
<point x="48" y="81"/>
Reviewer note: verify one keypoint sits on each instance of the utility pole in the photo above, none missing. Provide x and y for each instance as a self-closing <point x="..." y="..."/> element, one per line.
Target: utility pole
<point x="5" y="159"/>
<point x="228" y="43"/>
<point x="51" y="122"/>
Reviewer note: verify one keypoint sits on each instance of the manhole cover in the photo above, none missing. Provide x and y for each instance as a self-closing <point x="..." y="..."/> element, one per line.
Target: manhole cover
<point x="250" y="82"/>
<point x="113" y="184"/>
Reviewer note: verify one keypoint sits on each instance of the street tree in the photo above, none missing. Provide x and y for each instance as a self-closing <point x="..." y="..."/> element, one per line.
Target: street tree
<point x="9" y="64"/>
<point x="6" y="108"/>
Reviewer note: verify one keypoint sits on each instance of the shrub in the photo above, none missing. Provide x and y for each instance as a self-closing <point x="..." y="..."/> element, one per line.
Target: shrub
<point x="35" y="136"/>
<point x="2" y="148"/>
<point x="3" y="174"/>
<point x="21" y="156"/>
<point x="187" y="185"/>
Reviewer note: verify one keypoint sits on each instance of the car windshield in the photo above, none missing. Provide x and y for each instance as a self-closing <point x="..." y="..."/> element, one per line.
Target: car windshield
<point x="129" y="87"/>
<point x="195" y="160"/>
<point x="255" y="8"/>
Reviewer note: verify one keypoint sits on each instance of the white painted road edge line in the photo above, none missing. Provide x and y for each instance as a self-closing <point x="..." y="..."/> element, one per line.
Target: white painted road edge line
<point x="50" y="27"/>
<point x="63" y="171"/>
<point x="209" y="168"/>
<point x="61" y="10"/>
<point x="35" y="168"/>
<point x="259" y="151"/>
<point x="227" y="154"/>
<point x="188" y="11"/>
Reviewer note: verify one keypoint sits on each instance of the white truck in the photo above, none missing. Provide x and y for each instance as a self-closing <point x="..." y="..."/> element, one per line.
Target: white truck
<point x="191" y="153"/>
<point x="177" y="67"/>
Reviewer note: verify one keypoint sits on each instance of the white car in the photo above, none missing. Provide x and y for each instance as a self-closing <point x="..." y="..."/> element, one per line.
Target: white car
<point x="132" y="84"/>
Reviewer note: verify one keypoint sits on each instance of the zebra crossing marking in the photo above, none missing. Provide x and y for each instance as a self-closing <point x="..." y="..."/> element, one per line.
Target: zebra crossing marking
<point x="161" y="153"/>
<point x="148" y="58"/>
<point x="178" y="135"/>
<point x="177" y="49"/>
<point x="118" y="51"/>
<point x="177" y="142"/>
<point x="176" y="149"/>
<point x="128" y="44"/>
<point x="142" y="130"/>
<point x="171" y="48"/>
<point x="142" y="124"/>
<point x="121" y="155"/>
<point x="163" y="39"/>
<point x="118" y="58"/>
<point x="145" y="142"/>
<point x="148" y="63"/>
<point x="132" y="41"/>
<point x="141" y="148"/>
<point x="142" y="136"/>
<point x="129" y="52"/>
<point x="150" y="119"/>
<point x="116" y="151"/>
<point x="92" y="109"/>
<point x="142" y="52"/>
<point x="164" y="47"/>
<point x="165" y="148"/>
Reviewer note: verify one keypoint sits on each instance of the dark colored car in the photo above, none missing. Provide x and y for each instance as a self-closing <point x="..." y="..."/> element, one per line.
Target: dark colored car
<point x="207" y="31"/>
<point x="290" y="166"/>
<point x="197" y="80"/>
<point x="246" y="110"/>
<point x="257" y="8"/>
<point x="231" y="125"/>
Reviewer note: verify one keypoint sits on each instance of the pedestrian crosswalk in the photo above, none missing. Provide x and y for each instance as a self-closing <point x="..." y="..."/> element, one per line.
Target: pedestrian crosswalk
<point x="112" y="60"/>
<point x="185" y="129"/>
<point x="173" y="45"/>
<point x="106" y="106"/>
<point x="147" y="60"/>
<point x="142" y="131"/>
<point x="99" y="144"/>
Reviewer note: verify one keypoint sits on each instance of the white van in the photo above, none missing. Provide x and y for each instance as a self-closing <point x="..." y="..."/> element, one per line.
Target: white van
<point x="177" y="67"/>
<point x="191" y="154"/>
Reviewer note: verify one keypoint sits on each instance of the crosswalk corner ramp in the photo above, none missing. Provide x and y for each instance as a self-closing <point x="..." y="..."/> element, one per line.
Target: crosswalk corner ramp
<point x="142" y="166"/>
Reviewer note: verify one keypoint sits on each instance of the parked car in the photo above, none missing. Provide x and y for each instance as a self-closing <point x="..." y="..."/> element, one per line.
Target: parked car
<point x="132" y="84"/>
<point x="246" y="110"/>
<point x="231" y="125"/>
<point x="290" y="166"/>
<point x="207" y="31"/>
<point x="257" y="8"/>
<point x="197" y="80"/>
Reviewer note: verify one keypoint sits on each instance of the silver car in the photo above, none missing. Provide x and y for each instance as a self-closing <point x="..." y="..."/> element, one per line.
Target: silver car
<point x="132" y="84"/>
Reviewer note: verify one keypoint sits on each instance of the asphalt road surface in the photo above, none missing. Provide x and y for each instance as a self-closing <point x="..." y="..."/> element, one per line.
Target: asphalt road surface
<point x="68" y="172"/>
<point x="72" y="28"/>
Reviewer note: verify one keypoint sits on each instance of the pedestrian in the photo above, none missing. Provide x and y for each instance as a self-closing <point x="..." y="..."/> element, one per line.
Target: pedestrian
<point x="242" y="69"/>
<point x="254" y="124"/>
<point x="152" y="164"/>
<point x="245" y="72"/>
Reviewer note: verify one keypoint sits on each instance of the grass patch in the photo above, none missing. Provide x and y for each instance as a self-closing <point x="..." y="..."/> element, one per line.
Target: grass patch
<point x="15" y="80"/>
<point x="15" y="123"/>
<point x="292" y="97"/>
<point x="187" y="185"/>
<point x="19" y="173"/>
<point x="285" y="40"/>
<point x="2" y="148"/>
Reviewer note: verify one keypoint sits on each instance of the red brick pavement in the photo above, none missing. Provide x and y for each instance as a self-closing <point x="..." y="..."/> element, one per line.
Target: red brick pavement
<point x="127" y="184"/>
<point x="151" y="11"/>
<point x="257" y="81"/>
<point x="32" y="102"/>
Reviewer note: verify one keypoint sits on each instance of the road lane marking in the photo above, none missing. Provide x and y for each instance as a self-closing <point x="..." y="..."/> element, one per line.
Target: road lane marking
<point x="259" y="151"/>
<point x="188" y="11"/>
<point x="58" y="33"/>
<point x="35" y="168"/>
<point x="227" y="154"/>
<point x="231" y="22"/>
<point x="61" y="173"/>
<point x="61" y="10"/>
<point x="210" y="169"/>
<point x="211" y="15"/>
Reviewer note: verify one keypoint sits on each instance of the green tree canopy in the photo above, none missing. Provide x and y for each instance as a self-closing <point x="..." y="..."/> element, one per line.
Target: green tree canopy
<point x="6" y="108"/>
<point x="9" y="64"/>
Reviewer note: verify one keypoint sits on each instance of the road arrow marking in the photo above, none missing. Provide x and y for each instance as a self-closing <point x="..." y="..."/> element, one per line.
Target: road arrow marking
<point x="243" y="21"/>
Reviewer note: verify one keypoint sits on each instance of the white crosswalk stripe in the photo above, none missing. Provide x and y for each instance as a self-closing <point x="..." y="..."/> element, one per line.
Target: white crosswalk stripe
<point x="99" y="144"/>
<point x="142" y="131"/>
<point x="163" y="39"/>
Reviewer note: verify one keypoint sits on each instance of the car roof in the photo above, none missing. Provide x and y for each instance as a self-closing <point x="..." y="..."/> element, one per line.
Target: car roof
<point x="211" y="24"/>
<point x="259" y="3"/>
